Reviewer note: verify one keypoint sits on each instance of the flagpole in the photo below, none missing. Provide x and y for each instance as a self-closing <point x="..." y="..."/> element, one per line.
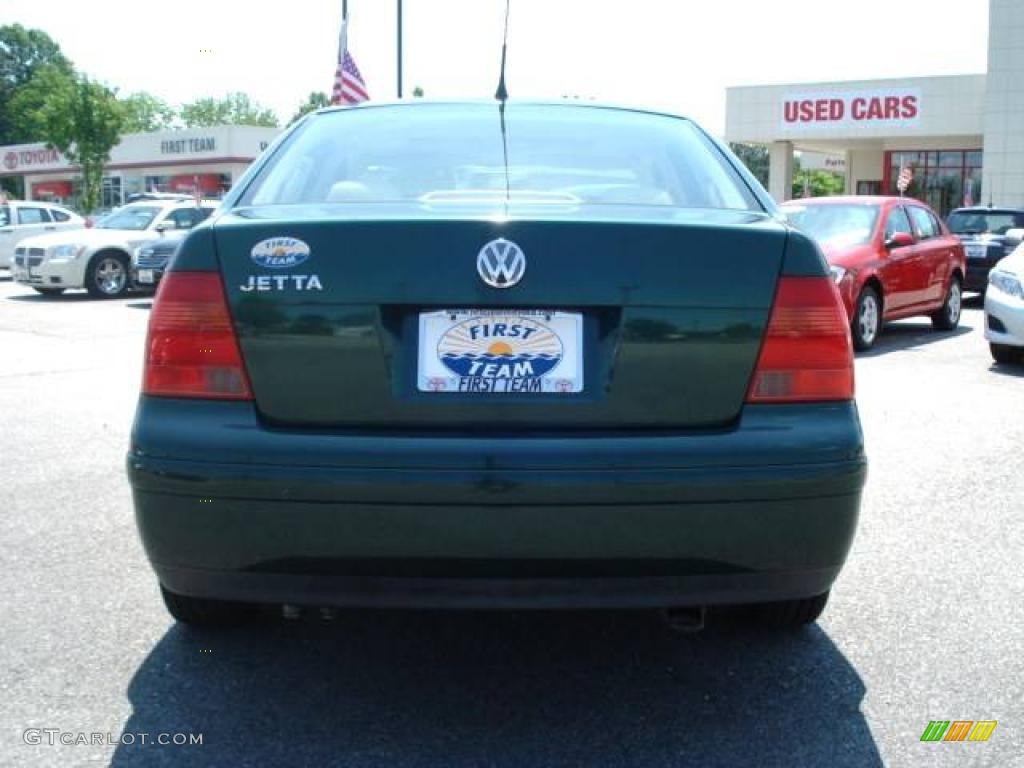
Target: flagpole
<point x="399" y="48"/>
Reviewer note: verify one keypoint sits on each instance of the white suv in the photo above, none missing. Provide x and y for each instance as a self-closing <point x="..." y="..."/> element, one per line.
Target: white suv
<point x="19" y="220"/>
<point x="99" y="259"/>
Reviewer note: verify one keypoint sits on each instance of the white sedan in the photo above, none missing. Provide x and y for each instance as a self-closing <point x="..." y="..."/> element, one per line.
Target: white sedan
<point x="20" y="219"/>
<point x="99" y="259"/>
<point x="1004" y="308"/>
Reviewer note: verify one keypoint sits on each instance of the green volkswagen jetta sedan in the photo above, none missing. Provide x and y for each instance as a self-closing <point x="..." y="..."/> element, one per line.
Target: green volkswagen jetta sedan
<point x="496" y="355"/>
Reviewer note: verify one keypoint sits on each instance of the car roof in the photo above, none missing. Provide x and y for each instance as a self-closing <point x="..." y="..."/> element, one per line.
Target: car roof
<point x="557" y="103"/>
<point x="986" y="209"/>
<point x="189" y="203"/>
<point x="41" y="203"/>
<point x="853" y="200"/>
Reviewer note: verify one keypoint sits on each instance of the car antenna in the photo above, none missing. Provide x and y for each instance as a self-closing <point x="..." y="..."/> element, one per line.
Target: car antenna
<point x="502" y="96"/>
<point x="502" y="93"/>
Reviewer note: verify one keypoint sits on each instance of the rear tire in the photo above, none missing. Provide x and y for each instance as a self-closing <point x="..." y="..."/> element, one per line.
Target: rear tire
<point x="791" y="614"/>
<point x="48" y="291"/>
<point x="1004" y="354"/>
<point x="201" y="612"/>
<point x="867" y="319"/>
<point x="948" y="316"/>
<point x="107" y="276"/>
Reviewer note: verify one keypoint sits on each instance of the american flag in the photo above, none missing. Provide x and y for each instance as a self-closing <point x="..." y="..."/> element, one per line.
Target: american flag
<point x="903" y="180"/>
<point x="349" y="87"/>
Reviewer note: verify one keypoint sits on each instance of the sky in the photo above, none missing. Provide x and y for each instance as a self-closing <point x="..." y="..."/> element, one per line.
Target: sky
<point x="677" y="55"/>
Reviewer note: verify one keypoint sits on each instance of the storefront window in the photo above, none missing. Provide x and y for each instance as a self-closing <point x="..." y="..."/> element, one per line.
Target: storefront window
<point x="110" y="192"/>
<point x="945" y="180"/>
<point x="951" y="159"/>
<point x="211" y="185"/>
<point x="130" y="185"/>
<point x="156" y="183"/>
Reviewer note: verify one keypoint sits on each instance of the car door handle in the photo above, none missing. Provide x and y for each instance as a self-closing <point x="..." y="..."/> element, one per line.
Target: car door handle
<point x="50" y="228"/>
<point x="6" y="231"/>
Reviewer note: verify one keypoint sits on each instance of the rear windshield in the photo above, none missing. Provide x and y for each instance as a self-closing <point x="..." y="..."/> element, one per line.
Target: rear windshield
<point x="984" y="222"/>
<point x="454" y="153"/>
<point x="834" y="225"/>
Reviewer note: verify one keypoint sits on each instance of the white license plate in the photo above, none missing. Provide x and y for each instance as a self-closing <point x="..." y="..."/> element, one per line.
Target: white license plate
<point x="145" y="275"/>
<point x="502" y="351"/>
<point x="976" y="251"/>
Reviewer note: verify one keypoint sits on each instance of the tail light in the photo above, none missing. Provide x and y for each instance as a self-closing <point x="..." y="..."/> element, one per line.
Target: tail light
<point x="191" y="348"/>
<point x="806" y="355"/>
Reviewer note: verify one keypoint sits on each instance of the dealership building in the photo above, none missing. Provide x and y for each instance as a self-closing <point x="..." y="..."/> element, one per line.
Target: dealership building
<point x="205" y="161"/>
<point x="961" y="136"/>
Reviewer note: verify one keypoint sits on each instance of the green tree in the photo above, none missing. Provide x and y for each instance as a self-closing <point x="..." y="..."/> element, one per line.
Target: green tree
<point x="23" y="52"/>
<point x="234" y="109"/>
<point x="27" y="106"/>
<point x="316" y="100"/>
<point x="83" y="120"/>
<point x="816" y="183"/>
<point x="417" y="92"/>
<point x="145" y="113"/>
<point x="755" y="157"/>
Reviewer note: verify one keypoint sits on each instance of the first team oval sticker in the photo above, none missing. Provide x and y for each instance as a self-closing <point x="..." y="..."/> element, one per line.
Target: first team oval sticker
<point x="279" y="252"/>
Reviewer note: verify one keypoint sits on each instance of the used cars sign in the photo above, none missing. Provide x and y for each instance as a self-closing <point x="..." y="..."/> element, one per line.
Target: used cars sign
<point x="852" y="108"/>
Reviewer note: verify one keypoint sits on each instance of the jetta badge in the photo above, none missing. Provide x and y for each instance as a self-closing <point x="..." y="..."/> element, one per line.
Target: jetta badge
<point x="501" y="263"/>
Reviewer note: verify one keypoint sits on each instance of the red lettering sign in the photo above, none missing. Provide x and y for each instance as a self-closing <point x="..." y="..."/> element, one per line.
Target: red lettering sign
<point x="859" y="107"/>
<point x="31" y="157"/>
<point x="813" y="111"/>
<point x="909" y="107"/>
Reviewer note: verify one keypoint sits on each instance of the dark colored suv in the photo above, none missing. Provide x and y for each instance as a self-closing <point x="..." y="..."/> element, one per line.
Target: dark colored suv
<point x="987" y="238"/>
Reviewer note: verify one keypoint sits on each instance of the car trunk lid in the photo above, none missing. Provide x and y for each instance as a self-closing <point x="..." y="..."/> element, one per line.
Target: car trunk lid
<point x="671" y="307"/>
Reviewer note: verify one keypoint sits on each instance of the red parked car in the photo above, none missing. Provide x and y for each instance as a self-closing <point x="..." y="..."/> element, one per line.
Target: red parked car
<point x="891" y="257"/>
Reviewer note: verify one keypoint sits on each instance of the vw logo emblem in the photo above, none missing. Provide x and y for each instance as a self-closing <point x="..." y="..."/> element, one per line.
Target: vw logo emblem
<point x="501" y="263"/>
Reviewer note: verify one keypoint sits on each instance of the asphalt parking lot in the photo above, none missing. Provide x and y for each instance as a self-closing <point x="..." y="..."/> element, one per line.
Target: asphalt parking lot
<point x="924" y="624"/>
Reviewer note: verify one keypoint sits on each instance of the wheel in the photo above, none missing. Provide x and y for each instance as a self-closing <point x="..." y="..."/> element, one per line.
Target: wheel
<point x="1005" y="354"/>
<point x="48" y="291"/>
<point x="200" y="612"/>
<point x="791" y="614"/>
<point x="867" y="319"/>
<point x="107" y="276"/>
<point x="948" y="316"/>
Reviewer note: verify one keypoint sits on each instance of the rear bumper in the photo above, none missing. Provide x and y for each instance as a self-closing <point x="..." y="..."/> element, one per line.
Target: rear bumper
<point x="496" y="592"/>
<point x="158" y="273"/>
<point x="228" y="508"/>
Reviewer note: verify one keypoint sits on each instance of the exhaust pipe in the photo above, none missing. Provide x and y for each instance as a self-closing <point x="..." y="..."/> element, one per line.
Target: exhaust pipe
<point x="689" y="620"/>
